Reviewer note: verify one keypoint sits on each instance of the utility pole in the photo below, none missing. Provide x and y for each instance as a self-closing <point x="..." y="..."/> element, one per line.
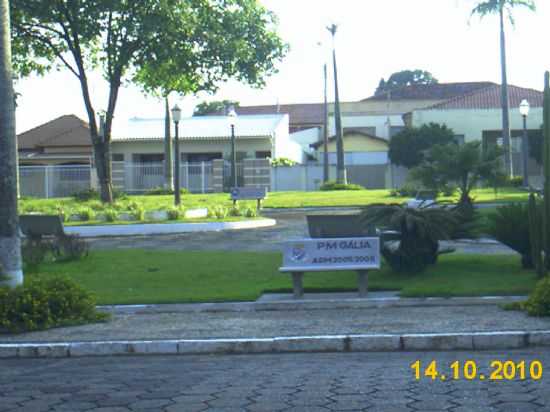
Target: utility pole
<point x="325" y="131"/>
<point x="340" y="165"/>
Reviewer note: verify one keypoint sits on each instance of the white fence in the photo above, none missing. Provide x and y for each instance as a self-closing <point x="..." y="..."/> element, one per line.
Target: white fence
<point x="53" y="181"/>
<point x="309" y="177"/>
<point x="140" y="177"/>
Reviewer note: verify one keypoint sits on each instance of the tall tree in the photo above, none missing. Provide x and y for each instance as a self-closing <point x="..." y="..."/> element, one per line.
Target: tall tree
<point x="405" y="78"/>
<point x="10" y="243"/>
<point x="200" y="43"/>
<point x="168" y="176"/>
<point x="503" y="8"/>
<point x="216" y="107"/>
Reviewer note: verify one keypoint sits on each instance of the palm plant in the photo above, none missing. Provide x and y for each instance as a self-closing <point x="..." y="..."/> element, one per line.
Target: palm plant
<point x="502" y="8"/>
<point x="419" y="232"/>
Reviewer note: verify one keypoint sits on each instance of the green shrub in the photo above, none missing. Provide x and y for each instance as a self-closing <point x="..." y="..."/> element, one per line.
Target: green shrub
<point x="219" y="212"/>
<point x="62" y="213"/>
<point x="85" y="214"/>
<point x="70" y="247"/>
<point x="538" y="303"/>
<point x="516" y="181"/>
<point x="174" y="213"/>
<point x="282" y="161"/>
<point x="407" y="190"/>
<point x="85" y="195"/>
<point x="251" y="212"/>
<point x="35" y="251"/>
<point x="110" y="215"/>
<point x="96" y="206"/>
<point x="45" y="303"/>
<point x="138" y="213"/>
<point x="235" y="211"/>
<point x="509" y="225"/>
<point x="331" y="185"/>
<point x="119" y="194"/>
<point x="159" y="191"/>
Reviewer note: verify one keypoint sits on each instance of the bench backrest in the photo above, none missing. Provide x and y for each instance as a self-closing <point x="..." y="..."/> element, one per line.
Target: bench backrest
<point x="248" y="193"/>
<point x="41" y="225"/>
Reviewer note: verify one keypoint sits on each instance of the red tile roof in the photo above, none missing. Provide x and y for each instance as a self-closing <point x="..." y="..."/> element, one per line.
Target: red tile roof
<point x="66" y="130"/>
<point x="490" y="98"/>
<point x="438" y="91"/>
<point x="299" y="114"/>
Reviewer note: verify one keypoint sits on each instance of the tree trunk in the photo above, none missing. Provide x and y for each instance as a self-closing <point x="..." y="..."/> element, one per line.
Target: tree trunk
<point x="340" y="162"/>
<point x="506" y="135"/>
<point x="168" y="179"/>
<point x="10" y="242"/>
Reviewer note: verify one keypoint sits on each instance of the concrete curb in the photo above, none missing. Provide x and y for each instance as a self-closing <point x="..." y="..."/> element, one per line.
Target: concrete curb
<point x="298" y="305"/>
<point x="165" y="228"/>
<point x="295" y="344"/>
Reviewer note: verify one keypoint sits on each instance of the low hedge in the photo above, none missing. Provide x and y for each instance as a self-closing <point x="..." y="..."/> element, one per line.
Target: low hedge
<point x="46" y="303"/>
<point x="331" y="185"/>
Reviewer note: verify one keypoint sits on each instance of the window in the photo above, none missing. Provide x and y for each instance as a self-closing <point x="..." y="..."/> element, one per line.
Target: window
<point x="263" y="154"/>
<point x="148" y="157"/>
<point x="117" y="157"/>
<point x="459" y="139"/>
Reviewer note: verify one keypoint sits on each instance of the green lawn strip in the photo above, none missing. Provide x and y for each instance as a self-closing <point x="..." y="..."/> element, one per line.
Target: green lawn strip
<point x="274" y="200"/>
<point x="146" y="276"/>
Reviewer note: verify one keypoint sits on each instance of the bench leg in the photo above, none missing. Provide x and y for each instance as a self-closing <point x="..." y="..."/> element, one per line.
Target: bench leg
<point x="363" y="282"/>
<point x="297" y="284"/>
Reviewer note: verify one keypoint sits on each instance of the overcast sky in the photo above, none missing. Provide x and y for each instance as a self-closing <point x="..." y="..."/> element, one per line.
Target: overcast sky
<point x="375" y="39"/>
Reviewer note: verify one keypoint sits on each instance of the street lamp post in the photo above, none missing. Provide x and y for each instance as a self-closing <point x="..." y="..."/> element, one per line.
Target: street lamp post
<point x="232" y="116"/>
<point x="524" y="111"/>
<point x="176" y="116"/>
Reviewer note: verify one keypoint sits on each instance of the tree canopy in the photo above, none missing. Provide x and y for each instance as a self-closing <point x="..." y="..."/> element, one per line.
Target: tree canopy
<point x="407" y="147"/>
<point x="162" y="45"/>
<point x="215" y="107"/>
<point x="405" y="78"/>
<point x="487" y="7"/>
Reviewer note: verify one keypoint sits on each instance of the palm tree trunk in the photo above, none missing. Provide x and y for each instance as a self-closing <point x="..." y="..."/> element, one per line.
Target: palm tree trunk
<point x="506" y="135"/>
<point x="168" y="179"/>
<point x="10" y="243"/>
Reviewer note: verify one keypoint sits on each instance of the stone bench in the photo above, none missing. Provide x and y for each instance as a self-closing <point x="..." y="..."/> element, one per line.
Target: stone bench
<point x="331" y="254"/>
<point x="249" y="193"/>
<point x="35" y="227"/>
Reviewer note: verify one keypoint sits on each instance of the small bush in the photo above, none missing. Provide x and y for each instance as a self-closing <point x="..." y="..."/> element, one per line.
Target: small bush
<point x="45" y="303"/>
<point x="162" y="191"/>
<point x="62" y="213"/>
<point x="86" y="195"/>
<point x="251" y="212"/>
<point x="85" y="214"/>
<point x="138" y="213"/>
<point x="516" y="181"/>
<point x="119" y="194"/>
<point x="538" y="303"/>
<point x="219" y="212"/>
<point x="110" y="215"/>
<point x="235" y="211"/>
<point x="96" y="206"/>
<point x="174" y="213"/>
<point x="331" y="185"/>
<point x="282" y="162"/>
<point x="71" y="247"/>
<point x="407" y="190"/>
<point x="509" y="225"/>
<point x="35" y="251"/>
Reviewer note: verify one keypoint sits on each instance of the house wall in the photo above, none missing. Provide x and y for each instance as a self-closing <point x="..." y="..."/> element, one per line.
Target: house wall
<point x="306" y="137"/>
<point x="357" y="143"/>
<point x="472" y="123"/>
<point x="248" y="145"/>
<point x="284" y="146"/>
<point x="379" y="122"/>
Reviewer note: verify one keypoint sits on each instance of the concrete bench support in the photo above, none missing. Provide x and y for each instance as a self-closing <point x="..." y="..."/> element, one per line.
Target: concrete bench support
<point x="297" y="284"/>
<point x="363" y="282"/>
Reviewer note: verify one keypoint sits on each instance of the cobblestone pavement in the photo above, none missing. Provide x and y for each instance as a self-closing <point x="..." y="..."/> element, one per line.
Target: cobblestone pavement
<point x="290" y="225"/>
<point x="252" y="324"/>
<point x="380" y="382"/>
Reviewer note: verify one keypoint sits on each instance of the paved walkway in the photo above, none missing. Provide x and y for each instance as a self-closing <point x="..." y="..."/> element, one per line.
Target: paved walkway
<point x="378" y="382"/>
<point x="290" y="225"/>
<point x="275" y="323"/>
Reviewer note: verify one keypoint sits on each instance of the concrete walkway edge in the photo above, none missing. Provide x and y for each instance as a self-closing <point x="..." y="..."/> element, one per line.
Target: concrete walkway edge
<point x="165" y="228"/>
<point x="294" y="344"/>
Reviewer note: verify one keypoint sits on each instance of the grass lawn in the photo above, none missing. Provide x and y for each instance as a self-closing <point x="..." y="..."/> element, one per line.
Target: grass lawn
<point x="145" y="276"/>
<point x="274" y="200"/>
